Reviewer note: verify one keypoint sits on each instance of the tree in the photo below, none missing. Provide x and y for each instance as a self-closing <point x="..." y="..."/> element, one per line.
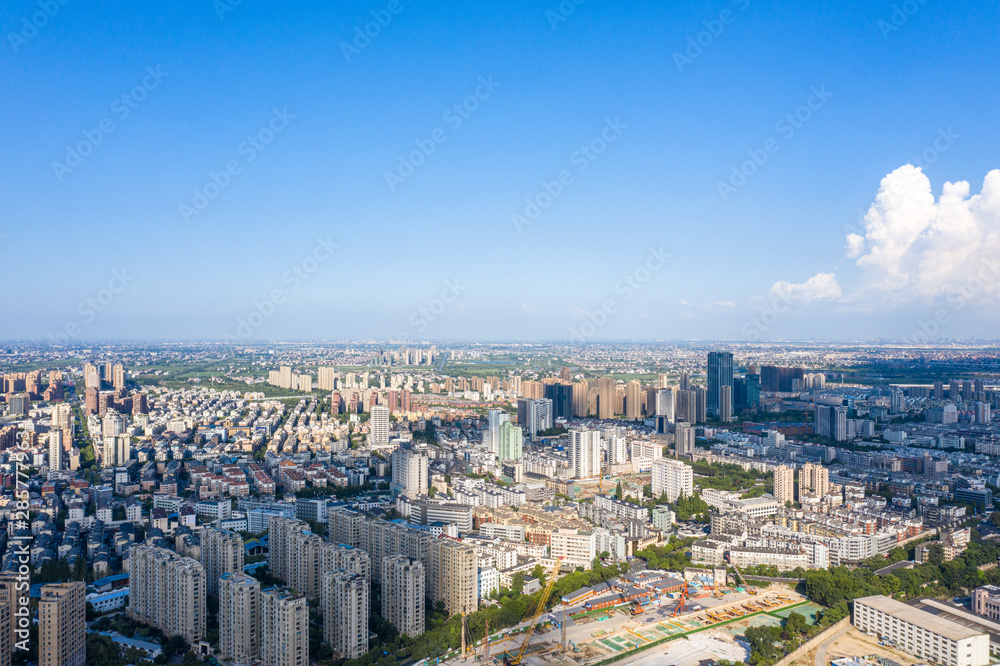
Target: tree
<point x="618" y="491"/>
<point x="935" y="554"/>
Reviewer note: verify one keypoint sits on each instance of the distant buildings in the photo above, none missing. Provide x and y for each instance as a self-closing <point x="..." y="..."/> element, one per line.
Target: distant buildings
<point x="720" y="374"/>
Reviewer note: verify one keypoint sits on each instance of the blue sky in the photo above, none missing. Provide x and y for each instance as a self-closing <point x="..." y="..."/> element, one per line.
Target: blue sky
<point x="555" y="85"/>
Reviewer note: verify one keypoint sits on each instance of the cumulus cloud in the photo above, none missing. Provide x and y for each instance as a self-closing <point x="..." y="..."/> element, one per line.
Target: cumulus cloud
<point x="822" y="286"/>
<point x="915" y="248"/>
<point x="528" y="309"/>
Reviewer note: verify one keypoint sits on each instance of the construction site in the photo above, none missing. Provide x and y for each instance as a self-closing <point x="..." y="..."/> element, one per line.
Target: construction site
<point x="701" y="620"/>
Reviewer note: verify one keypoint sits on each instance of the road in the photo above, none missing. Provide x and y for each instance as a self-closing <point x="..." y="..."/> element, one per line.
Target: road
<point x="821" y="650"/>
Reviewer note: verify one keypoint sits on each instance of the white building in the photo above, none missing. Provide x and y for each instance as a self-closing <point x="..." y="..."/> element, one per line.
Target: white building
<point x="673" y="478"/>
<point x="378" y="425"/>
<point x="585" y="453"/>
<point x="576" y="547"/>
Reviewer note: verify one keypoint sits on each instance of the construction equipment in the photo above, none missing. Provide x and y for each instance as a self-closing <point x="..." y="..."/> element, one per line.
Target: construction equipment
<point x="515" y="659"/>
<point x="576" y="648"/>
<point x="749" y="588"/>
<point x="680" y="601"/>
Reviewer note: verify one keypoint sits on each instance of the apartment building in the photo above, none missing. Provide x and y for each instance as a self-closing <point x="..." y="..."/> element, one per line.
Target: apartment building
<point x="167" y="591"/>
<point x="673" y="478"/>
<point x="403" y="593"/>
<point x="221" y="552"/>
<point x="577" y="548"/>
<point x="284" y="627"/>
<point x="784" y="484"/>
<point x="921" y="633"/>
<point x="62" y="626"/>
<point x="454" y="575"/>
<point x="239" y="617"/>
<point x="345" y="601"/>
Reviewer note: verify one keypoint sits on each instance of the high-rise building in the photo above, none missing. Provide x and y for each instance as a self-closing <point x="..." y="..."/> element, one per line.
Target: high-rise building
<point x="378" y="425"/>
<point x="685" y="381"/>
<point x="700" y="404"/>
<point x="665" y="404"/>
<point x="534" y="415"/>
<point x="345" y="601"/>
<point x="511" y="442"/>
<point x="831" y="421"/>
<point x="284" y="627"/>
<point x="605" y="398"/>
<point x="584" y="453"/>
<point x="673" y="478"/>
<point x="454" y="575"/>
<point x="118" y="376"/>
<point x="167" y="591"/>
<point x="117" y="450"/>
<point x="720" y="373"/>
<point x="280" y="553"/>
<point x="403" y="594"/>
<point x="684" y="437"/>
<point x="725" y="403"/>
<point x="814" y="479"/>
<point x="6" y="646"/>
<point x="62" y="624"/>
<point x="497" y="417"/>
<point x="62" y="418"/>
<point x="617" y="447"/>
<point x="57" y="449"/>
<point x="561" y="396"/>
<point x="784" y="485"/>
<point x="779" y="380"/>
<point x="221" y="552"/>
<point x="409" y="472"/>
<point x="239" y="617"/>
<point x="633" y="400"/>
<point x="10" y="608"/>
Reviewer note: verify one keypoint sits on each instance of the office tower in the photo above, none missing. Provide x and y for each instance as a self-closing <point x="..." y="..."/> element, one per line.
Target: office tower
<point x="409" y="472"/>
<point x="62" y="624"/>
<point x="534" y="415"/>
<point x="633" y="400"/>
<point x="814" y="479"/>
<point x="779" y="380"/>
<point x="617" y="448"/>
<point x="561" y="396"/>
<point x="279" y="555"/>
<point x="725" y="403"/>
<point x="167" y="591"/>
<point x="605" y="398"/>
<point x="239" y="617"/>
<point x="665" y="404"/>
<point x="56" y="450"/>
<point x="496" y="418"/>
<point x="584" y="453"/>
<point x="580" y="392"/>
<point x="720" y="373"/>
<point x="378" y="425"/>
<point x="345" y="602"/>
<point x="784" y="484"/>
<point x="684" y="438"/>
<point x="673" y="478"/>
<point x="511" y="442"/>
<point x="831" y="421"/>
<point x="284" y="628"/>
<point x="454" y="575"/>
<point x="221" y="552"/>
<point x="752" y="400"/>
<point x="118" y="376"/>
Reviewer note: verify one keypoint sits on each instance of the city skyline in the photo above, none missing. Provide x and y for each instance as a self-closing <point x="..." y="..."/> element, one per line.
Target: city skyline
<point x="727" y="171"/>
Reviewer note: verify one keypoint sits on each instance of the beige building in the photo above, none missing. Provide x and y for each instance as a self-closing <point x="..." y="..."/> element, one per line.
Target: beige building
<point x="62" y="626"/>
<point x="784" y="484"/>
<point x="814" y="479"/>
<point x="345" y="603"/>
<point x="221" y="552"/>
<point x="454" y="575"/>
<point x="167" y="591"/>
<point x="9" y="595"/>
<point x="576" y="548"/>
<point x="284" y="628"/>
<point x="403" y="593"/>
<point x="239" y="617"/>
<point x="279" y="554"/>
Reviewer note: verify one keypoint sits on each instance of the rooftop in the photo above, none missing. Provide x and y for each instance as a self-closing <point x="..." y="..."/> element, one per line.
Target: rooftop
<point x="928" y="621"/>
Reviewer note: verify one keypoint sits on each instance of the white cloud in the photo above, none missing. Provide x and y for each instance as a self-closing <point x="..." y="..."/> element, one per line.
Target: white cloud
<point x="822" y="286"/>
<point x="915" y="248"/>
<point x="529" y="310"/>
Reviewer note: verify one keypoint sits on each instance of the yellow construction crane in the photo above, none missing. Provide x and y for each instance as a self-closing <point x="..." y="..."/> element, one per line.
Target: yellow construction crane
<point x="515" y="660"/>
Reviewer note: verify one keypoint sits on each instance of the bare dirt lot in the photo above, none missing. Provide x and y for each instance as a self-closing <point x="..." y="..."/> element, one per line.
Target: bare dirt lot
<point x="854" y="644"/>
